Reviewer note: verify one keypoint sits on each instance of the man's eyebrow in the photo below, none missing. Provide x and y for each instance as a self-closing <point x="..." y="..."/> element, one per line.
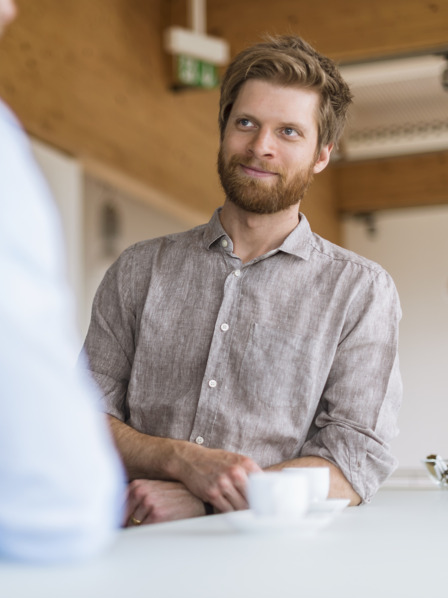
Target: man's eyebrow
<point x="244" y="115"/>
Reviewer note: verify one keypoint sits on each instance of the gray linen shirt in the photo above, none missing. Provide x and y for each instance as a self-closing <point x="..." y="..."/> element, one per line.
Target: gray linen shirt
<point x="291" y="354"/>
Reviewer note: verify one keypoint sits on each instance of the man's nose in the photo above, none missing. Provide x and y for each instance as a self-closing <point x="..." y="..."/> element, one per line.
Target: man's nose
<point x="262" y="144"/>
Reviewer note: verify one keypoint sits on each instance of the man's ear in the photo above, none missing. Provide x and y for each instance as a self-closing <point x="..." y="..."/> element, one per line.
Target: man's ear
<point x="323" y="158"/>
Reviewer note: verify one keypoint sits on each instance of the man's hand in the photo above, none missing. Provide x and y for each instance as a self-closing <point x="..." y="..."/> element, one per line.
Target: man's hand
<point x="216" y="476"/>
<point x="213" y="475"/>
<point x="154" y="501"/>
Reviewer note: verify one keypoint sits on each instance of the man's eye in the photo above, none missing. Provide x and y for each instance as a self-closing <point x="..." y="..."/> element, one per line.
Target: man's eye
<point x="245" y="122"/>
<point x="290" y="132"/>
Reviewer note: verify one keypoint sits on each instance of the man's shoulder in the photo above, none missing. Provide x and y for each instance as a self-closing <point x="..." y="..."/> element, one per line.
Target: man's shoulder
<point x="140" y="254"/>
<point x="149" y="246"/>
<point x="355" y="272"/>
<point x="341" y="257"/>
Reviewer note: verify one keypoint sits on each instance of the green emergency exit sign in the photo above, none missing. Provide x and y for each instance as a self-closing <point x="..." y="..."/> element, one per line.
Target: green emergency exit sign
<point x="191" y="72"/>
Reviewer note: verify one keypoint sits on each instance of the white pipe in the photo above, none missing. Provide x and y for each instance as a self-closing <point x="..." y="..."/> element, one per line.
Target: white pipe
<point x="197" y="15"/>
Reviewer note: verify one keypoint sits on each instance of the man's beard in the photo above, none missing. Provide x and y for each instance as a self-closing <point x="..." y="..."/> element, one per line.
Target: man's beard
<point x="254" y="195"/>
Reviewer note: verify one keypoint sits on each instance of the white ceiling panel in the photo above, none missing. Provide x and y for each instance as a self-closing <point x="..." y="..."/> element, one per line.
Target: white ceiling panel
<point x="400" y="107"/>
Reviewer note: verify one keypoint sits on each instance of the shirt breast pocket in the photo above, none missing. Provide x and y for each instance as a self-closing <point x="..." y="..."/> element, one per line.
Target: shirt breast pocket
<point x="278" y="368"/>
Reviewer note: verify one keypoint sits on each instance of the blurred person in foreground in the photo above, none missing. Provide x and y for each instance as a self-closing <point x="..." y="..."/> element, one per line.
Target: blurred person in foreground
<point x="250" y="342"/>
<point x="61" y="481"/>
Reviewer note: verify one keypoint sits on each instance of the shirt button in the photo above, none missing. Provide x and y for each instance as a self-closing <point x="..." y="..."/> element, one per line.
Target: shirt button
<point x="237" y="273"/>
<point x="212" y="383"/>
<point x="199" y="440"/>
<point x="224" y="327"/>
<point x="224" y="243"/>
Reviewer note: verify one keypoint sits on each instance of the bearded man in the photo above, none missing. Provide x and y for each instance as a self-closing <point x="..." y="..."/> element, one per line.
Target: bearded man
<point x="251" y="343"/>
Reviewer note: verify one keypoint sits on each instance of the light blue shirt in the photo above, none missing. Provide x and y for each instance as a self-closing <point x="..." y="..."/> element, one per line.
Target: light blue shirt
<point x="61" y="482"/>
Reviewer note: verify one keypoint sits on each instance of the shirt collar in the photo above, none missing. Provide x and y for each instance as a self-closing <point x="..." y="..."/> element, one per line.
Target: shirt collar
<point x="297" y="243"/>
<point x="214" y="230"/>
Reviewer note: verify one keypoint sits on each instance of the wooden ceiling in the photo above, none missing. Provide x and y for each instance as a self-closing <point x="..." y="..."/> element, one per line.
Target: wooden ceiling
<point x="91" y="78"/>
<point x="346" y="30"/>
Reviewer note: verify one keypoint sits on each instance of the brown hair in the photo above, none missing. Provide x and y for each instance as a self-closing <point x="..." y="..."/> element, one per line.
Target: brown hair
<point x="289" y="60"/>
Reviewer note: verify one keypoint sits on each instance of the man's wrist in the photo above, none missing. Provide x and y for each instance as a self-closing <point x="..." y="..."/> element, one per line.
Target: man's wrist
<point x="173" y="458"/>
<point x="178" y="457"/>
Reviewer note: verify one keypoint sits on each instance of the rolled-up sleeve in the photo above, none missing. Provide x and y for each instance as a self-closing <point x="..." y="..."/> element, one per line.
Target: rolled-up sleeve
<point x="357" y="414"/>
<point x="110" y="342"/>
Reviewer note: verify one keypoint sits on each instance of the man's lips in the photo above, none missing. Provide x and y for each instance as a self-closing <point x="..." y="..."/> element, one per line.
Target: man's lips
<point x="257" y="172"/>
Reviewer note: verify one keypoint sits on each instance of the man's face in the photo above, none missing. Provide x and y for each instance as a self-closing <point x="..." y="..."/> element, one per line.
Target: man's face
<point x="269" y="151"/>
<point x="8" y="12"/>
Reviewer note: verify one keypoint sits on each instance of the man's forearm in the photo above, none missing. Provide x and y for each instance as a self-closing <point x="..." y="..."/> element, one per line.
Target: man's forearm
<point x="340" y="487"/>
<point x="144" y="457"/>
<point x="213" y="475"/>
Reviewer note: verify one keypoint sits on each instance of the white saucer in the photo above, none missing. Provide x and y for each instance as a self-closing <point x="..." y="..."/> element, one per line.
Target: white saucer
<point x="318" y="516"/>
<point x="331" y="505"/>
<point x="247" y="521"/>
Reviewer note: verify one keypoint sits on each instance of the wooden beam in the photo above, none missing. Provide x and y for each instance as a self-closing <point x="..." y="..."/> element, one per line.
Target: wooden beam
<point x="401" y="182"/>
<point x="346" y="30"/>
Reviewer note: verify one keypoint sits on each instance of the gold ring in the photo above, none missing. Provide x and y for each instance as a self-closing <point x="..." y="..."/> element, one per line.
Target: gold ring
<point x="135" y="521"/>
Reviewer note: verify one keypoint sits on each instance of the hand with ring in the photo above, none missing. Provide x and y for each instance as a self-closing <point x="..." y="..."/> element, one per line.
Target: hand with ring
<point x="154" y="501"/>
<point x="135" y="521"/>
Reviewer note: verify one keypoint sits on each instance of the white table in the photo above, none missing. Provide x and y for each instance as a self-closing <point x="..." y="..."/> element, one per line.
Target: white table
<point x="395" y="547"/>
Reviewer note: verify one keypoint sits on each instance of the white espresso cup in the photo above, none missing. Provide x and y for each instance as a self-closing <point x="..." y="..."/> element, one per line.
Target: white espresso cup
<point x="318" y="480"/>
<point x="278" y="494"/>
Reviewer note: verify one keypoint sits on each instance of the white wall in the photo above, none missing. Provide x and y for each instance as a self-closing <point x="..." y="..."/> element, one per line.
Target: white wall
<point x="412" y="244"/>
<point x="80" y="199"/>
<point x="64" y="178"/>
<point x="136" y="221"/>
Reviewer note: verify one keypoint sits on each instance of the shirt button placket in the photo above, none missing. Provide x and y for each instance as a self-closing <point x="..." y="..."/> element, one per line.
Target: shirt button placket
<point x="224" y="327"/>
